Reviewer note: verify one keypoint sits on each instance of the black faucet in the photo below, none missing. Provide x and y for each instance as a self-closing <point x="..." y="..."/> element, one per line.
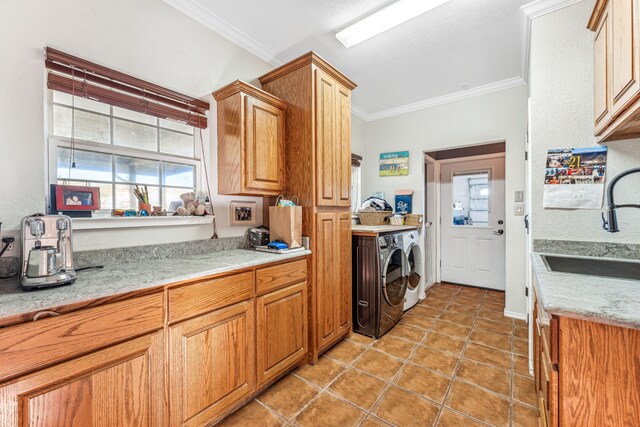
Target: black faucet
<point x="610" y="224"/>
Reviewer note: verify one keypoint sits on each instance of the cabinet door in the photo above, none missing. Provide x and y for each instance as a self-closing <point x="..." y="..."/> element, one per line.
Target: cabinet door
<point x="625" y="82"/>
<point x="343" y="146"/>
<point x="121" y="385"/>
<point x="325" y="140"/>
<point x="601" y="58"/>
<point x="344" y="309"/>
<point x="264" y="146"/>
<point x="326" y="279"/>
<point x="281" y="328"/>
<point x="212" y="365"/>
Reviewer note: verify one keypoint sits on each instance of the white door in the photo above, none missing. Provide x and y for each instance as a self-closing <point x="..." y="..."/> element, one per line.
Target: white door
<point x="472" y="214"/>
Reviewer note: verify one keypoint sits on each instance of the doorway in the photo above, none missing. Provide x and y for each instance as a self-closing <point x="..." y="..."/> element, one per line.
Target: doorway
<point x="468" y="206"/>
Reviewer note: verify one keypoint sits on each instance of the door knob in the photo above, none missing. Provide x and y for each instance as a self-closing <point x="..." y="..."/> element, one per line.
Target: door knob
<point x="499" y="232"/>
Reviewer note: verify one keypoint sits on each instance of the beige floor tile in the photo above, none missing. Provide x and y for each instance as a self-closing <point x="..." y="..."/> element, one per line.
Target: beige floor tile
<point x="424" y="382"/>
<point x="372" y="421"/>
<point x="326" y="410"/>
<point x="497" y="316"/>
<point x="405" y="409"/>
<point x="417" y="321"/>
<point x="252" y="414"/>
<point x="491" y="339"/>
<point x="462" y="308"/>
<point x="408" y="332"/>
<point x="524" y="389"/>
<point x="425" y="310"/>
<point x="490" y="356"/>
<point x="451" y="329"/>
<point x="359" y="388"/>
<point x="521" y="333"/>
<point x="379" y="364"/>
<point x="395" y="346"/>
<point x="288" y="396"/>
<point x="490" y="325"/>
<point x="360" y="339"/>
<point x="521" y="347"/>
<point x="345" y="351"/>
<point x="478" y="403"/>
<point x="459" y="318"/>
<point x="443" y="342"/>
<point x="485" y="376"/>
<point x="448" y="418"/>
<point x="322" y="373"/>
<point x="524" y="416"/>
<point x="520" y="365"/>
<point x="435" y="359"/>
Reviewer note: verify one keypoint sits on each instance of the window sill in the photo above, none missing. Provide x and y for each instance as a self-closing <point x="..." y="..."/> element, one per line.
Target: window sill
<point x="138" y="221"/>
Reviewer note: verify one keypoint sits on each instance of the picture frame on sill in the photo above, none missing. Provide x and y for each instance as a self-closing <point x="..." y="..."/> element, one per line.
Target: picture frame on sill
<point x="75" y="200"/>
<point x="242" y="213"/>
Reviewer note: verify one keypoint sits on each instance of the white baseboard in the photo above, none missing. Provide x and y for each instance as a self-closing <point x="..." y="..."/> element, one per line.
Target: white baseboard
<point x="515" y="315"/>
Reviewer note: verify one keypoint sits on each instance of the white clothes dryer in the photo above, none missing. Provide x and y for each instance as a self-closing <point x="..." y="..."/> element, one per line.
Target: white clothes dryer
<point x="415" y="265"/>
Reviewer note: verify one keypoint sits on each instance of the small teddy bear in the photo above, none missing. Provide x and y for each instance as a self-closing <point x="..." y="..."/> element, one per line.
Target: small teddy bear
<point x="191" y="206"/>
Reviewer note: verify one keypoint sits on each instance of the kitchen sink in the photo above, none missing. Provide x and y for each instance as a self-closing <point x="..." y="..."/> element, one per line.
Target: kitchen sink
<point x="593" y="266"/>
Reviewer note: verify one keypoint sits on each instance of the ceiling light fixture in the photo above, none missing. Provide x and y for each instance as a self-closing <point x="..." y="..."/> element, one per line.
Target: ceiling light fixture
<point x="384" y="19"/>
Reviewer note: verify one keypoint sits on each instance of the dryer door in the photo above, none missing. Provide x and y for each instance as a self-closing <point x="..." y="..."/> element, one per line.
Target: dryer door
<point x="414" y="259"/>
<point x="394" y="277"/>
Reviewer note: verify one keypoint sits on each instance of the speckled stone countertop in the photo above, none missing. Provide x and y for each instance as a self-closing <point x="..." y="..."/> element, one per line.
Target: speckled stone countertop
<point x="121" y="279"/>
<point x="598" y="299"/>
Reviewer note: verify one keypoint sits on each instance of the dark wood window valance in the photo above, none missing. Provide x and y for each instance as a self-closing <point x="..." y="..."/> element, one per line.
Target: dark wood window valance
<point x="355" y="160"/>
<point x="85" y="79"/>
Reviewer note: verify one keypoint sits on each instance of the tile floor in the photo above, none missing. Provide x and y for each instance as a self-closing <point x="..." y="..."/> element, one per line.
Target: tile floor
<point x="454" y="360"/>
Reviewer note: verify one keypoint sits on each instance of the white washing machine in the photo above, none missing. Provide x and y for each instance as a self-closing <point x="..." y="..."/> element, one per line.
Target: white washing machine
<point x="415" y="265"/>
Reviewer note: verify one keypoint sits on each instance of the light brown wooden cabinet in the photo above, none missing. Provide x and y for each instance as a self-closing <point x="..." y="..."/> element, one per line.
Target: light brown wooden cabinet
<point x="251" y="132"/>
<point x="616" y="45"/>
<point x="318" y="170"/>
<point x="586" y="373"/>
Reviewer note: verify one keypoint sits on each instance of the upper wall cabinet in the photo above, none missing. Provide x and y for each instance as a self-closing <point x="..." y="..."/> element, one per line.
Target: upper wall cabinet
<point x="616" y="27"/>
<point x="250" y="141"/>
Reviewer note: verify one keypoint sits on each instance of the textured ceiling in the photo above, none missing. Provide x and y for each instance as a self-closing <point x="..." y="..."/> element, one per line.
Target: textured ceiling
<point x="460" y="46"/>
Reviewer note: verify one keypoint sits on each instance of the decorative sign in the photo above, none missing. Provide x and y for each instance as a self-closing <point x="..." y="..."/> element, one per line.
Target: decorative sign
<point x="574" y="178"/>
<point x="394" y="164"/>
<point x="404" y="201"/>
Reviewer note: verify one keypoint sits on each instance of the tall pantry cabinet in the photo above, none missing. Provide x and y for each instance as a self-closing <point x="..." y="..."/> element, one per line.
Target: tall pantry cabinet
<point x="318" y="171"/>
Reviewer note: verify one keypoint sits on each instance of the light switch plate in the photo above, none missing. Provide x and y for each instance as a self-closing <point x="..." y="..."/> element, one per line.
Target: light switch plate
<point x="518" y="209"/>
<point x="519" y="196"/>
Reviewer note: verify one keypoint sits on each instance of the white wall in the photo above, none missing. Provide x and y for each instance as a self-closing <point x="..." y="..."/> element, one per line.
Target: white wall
<point x="561" y="84"/>
<point x="145" y="38"/>
<point x="499" y="116"/>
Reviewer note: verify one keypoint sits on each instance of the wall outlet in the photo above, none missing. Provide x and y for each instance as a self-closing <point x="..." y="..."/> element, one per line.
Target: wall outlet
<point x="518" y="209"/>
<point x="14" y="248"/>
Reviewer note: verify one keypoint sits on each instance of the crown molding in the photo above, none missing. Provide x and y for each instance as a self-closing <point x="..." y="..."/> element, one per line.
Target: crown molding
<point x="359" y="112"/>
<point x="445" y="99"/>
<point x="196" y="11"/>
<point x="539" y="8"/>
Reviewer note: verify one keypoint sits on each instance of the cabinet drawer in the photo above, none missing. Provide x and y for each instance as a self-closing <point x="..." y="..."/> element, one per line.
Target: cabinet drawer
<point x="34" y="345"/>
<point x="276" y="277"/>
<point x="192" y="300"/>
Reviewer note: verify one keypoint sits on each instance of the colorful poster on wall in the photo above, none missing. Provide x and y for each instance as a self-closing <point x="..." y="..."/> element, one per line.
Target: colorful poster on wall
<point x="574" y="178"/>
<point x="394" y="164"/>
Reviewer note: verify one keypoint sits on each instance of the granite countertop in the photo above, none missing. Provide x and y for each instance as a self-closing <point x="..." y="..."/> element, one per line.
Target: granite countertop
<point x="598" y="299"/>
<point x="124" y="278"/>
<point x="372" y="230"/>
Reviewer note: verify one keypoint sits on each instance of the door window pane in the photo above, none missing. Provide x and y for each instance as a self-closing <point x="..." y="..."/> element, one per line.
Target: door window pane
<point x="140" y="171"/>
<point x="90" y="166"/>
<point x="471" y="199"/>
<point x="178" y="175"/>
<point x="135" y="135"/>
<point x="125" y="199"/>
<point x="176" y="143"/>
<point x="88" y="126"/>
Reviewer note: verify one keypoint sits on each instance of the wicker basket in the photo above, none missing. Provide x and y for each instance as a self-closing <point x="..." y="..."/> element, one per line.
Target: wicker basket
<point x="374" y="218"/>
<point x="413" y="219"/>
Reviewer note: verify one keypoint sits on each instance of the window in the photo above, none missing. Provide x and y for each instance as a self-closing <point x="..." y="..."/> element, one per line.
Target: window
<point x="356" y="182"/>
<point x="471" y="199"/>
<point x="115" y="149"/>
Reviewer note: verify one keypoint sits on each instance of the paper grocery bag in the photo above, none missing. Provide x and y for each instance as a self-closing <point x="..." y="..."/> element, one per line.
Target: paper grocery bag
<point x="285" y="223"/>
